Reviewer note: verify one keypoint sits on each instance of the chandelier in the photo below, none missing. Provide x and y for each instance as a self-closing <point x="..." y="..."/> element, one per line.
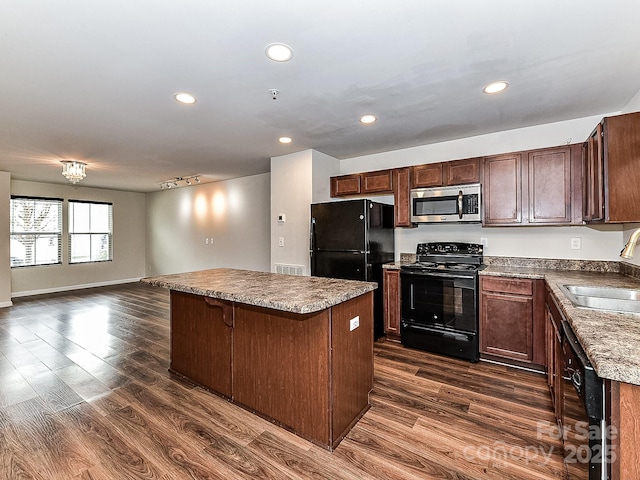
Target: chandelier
<point x="73" y="170"/>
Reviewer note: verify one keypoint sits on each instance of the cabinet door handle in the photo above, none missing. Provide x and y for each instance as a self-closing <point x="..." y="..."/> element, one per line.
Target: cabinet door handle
<point x="460" y="204"/>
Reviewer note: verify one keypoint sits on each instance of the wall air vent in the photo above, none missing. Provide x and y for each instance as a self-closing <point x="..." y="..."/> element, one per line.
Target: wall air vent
<point x="289" y="269"/>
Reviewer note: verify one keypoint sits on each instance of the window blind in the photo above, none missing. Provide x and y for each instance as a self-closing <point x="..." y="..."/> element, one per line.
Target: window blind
<point x="35" y="231"/>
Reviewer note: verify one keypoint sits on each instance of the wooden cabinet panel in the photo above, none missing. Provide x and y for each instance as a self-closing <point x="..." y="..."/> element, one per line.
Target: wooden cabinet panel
<point x="402" y="197"/>
<point x="460" y="172"/>
<point x="612" y="176"/>
<point x="516" y="286"/>
<point x="593" y="174"/>
<point x="507" y="325"/>
<point x="537" y="187"/>
<point x="455" y="172"/>
<point x="391" y="303"/>
<point x="345" y="185"/>
<point x="201" y="337"/>
<point x="503" y="190"/>
<point x="428" y="175"/>
<point x="294" y="345"/>
<point x="550" y="189"/>
<point x="555" y="357"/>
<point x="512" y="319"/>
<point x="377" y="182"/>
<point x="351" y="364"/>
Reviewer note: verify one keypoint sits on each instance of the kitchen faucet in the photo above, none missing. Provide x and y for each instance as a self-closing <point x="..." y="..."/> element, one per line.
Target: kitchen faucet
<point x="627" y="251"/>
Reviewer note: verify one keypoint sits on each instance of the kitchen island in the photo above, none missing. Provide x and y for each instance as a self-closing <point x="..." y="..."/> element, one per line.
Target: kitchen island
<point x="295" y="350"/>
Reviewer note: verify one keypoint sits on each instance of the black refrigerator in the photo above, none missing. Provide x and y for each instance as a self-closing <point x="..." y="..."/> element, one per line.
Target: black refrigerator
<point x="351" y="240"/>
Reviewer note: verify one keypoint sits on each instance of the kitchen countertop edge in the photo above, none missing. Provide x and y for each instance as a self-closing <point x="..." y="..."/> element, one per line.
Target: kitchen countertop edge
<point x="289" y="293"/>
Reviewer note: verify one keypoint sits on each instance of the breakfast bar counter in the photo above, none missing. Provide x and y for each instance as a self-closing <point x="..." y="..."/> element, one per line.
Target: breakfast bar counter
<point x="295" y="350"/>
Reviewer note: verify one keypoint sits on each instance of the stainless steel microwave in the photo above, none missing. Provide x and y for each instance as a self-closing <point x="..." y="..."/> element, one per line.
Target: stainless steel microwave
<point x="446" y="204"/>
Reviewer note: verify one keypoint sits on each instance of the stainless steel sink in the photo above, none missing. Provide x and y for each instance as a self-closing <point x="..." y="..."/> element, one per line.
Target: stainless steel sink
<point x="603" y="298"/>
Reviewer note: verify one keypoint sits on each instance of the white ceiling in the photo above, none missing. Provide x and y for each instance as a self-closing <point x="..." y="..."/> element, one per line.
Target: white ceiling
<point x="94" y="80"/>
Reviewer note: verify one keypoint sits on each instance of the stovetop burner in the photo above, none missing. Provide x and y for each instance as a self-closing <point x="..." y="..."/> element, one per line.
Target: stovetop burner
<point x="443" y="256"/>
<point x="441" y="266"/>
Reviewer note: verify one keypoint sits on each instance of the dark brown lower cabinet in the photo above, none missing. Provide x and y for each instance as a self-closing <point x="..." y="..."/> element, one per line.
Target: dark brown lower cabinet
<point x="555" y="357"/>
<point x="391" y="302"/>
<point x="201" y="337"/>
<point x="512" y="319"/>
<point x="310" y="373"/>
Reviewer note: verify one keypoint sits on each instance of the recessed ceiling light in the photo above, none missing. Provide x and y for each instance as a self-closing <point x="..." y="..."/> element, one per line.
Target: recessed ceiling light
<point x="368" y="119"/>
<point x="279" y="52"/>
<point x="285" y="140"/>
<point x="495" y="87"/>
<point x="184" y="97"/>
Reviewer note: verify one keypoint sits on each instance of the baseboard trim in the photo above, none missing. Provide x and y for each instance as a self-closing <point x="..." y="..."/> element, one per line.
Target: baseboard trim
<point x="6" y="304"/>
<point x="68" y="288"/>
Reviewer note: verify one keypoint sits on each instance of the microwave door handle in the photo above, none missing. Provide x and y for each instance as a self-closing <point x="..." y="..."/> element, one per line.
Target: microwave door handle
<point x="460" y="197"/>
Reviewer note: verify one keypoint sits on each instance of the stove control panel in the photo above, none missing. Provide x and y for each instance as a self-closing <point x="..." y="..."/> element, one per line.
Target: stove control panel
<point x="441" y="247"/>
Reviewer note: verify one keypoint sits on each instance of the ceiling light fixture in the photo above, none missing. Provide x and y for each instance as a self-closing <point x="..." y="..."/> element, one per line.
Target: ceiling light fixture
<point x="279" y="52"/>
<point x="495" y="87"/>
<point x="285" y="140"/>
<point x="178" y="181"/>
<point x="367" y="119"/>
<point x="73" y="170"/>
<point x="185" y="98"/>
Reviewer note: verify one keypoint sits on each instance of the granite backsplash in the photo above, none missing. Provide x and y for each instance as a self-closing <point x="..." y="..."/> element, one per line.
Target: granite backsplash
<point x="553" y="264"/>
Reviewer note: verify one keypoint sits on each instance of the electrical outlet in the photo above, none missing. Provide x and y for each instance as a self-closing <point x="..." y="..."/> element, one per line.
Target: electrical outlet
<point x="206" y="241"/>
<point x="484" y="242"/>
<point x="576" y="243"/>
<point x="354" y="323"/>
<point x="281" y="241"/>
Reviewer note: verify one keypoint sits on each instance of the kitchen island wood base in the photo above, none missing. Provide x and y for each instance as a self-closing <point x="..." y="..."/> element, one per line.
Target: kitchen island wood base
<point x="310" y="373"/>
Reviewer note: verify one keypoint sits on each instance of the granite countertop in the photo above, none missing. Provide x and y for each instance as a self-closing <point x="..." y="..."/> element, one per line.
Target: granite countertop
<point x="610" y="339"/>
<point x="289" y="293"/>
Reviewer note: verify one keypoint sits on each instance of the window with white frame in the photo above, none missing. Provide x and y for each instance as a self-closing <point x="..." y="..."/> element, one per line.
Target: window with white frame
<point x="35" y="235"/>
<point x="90" y="231"/>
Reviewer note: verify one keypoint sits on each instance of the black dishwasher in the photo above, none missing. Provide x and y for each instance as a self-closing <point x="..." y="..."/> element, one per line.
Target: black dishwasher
<point x="583" y="419"/>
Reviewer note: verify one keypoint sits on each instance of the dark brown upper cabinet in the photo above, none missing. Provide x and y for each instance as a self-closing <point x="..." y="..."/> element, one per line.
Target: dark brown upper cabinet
<point x="402" y="197"/>
<point x="537" y="187"/>
<point x="456" y="172"/>
<point x="346" y="185"/>
<point x="378" y="182"/>
<point x="611" y="158"/>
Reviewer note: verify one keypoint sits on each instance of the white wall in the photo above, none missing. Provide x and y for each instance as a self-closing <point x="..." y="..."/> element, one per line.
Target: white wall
<point x="598" y="243"/>
<point x="5" y="255"/>
<point x="297" y="180"/>
<point x="235" y="213"/>
<point x="128" y="242"/>
<point x="633" y="105"/>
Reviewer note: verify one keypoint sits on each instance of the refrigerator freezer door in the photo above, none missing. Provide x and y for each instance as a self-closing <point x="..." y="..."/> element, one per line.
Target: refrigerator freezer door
<point x="339" y="226"/>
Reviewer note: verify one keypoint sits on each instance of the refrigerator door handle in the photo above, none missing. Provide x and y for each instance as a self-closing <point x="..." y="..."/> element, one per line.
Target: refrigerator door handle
<point x="312" y="233"/>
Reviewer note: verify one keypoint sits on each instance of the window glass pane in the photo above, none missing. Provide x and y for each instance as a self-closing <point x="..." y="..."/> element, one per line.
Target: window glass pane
<point x="36" y="231"/>
<point x="99" y="247"/>
<point x="100" y="218"/>
<point x="80" y="248"/>
<point x="90" y="234"/>
<point x="81" y="217"/>
<point x="46" y="249"/>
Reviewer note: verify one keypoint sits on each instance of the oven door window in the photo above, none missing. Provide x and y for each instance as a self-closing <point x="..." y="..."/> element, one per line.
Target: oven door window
<point x="440" y="302"/>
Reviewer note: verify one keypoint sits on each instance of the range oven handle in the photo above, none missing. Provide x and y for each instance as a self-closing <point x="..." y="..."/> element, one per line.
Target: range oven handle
<point x="460" y="197"/>
<point x="437" y="274"/>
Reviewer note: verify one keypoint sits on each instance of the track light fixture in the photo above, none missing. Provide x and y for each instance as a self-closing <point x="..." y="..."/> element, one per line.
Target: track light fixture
<point x="179" y="182"/>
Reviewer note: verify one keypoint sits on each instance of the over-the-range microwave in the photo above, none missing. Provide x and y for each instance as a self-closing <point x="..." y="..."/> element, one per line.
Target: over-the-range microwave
<point x="459" y="203"/>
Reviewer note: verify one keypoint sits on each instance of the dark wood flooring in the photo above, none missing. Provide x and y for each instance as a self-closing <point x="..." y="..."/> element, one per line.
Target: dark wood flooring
<point x="85" y="394"/>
